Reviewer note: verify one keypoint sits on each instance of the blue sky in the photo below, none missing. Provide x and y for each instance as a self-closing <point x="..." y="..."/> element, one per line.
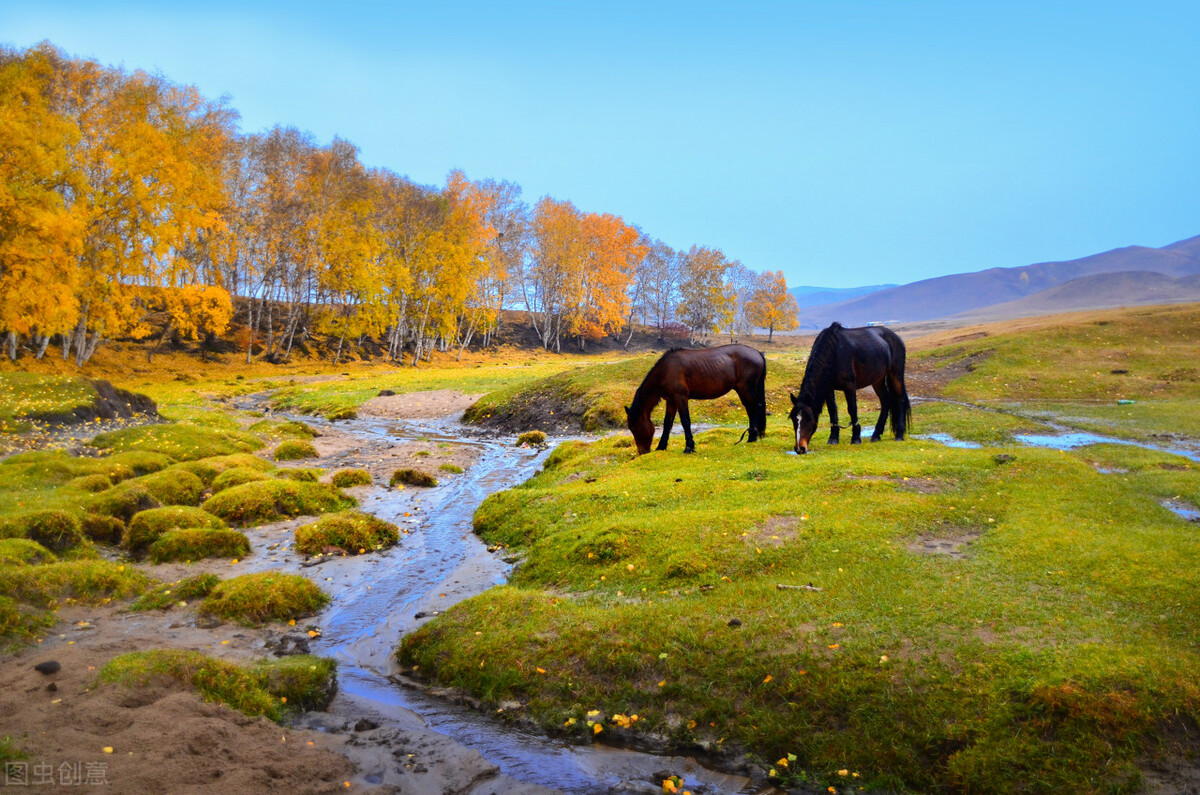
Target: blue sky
<point x="845" y="143"/>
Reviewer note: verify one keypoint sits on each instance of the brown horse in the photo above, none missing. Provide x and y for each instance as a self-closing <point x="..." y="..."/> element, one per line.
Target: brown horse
<point x="682" y="375"/>
<point x="849" y="359"/>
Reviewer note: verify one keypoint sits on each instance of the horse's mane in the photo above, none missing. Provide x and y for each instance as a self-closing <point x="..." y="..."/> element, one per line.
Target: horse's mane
<point x="643" y="393"/>
<point x="819" y="372"/>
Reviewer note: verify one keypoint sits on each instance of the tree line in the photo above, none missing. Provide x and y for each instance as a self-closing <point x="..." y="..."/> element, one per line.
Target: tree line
<point x="127" y="202"/>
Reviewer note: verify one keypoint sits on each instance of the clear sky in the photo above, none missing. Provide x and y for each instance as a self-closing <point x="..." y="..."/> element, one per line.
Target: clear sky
<point x="848" y="142"/>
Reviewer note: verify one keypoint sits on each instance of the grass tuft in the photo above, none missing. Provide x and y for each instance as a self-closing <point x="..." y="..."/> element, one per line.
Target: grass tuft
<point x="196" y="543"/>
<point x="254" y="599"/>
<point x="352" y="532"/>
<point x="532" y="438"/>
<point x="412" y="477"/>
<point x="24" y="552"/>
<point x="83" y="581"/>
<point x="346" y="478"/>
<point x="170" y="594"/>
<point x="148" y="526"/>
<point x="236" y="476"/>
<point x="272" y="500"/>
<point x="294" y="450"/>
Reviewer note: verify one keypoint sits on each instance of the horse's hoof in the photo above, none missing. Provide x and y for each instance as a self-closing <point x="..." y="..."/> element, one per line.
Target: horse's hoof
<point x="833" y="441"/>
<point x="876" y="438"/>
<point x="856" y="441"/>
<point x="689" y="449"/>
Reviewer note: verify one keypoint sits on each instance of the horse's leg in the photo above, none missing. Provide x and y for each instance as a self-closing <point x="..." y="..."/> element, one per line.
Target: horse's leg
<point x="749" y="404"/>
<point x="885" y="399"/>
<point x="852" y="409"/>
<point x="831" y="404"/>
<point x="685" y="419"/>
<point x="668" y="420"/>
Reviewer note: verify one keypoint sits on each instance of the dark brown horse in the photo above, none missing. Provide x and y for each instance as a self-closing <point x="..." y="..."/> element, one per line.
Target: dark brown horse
<point x="683" y="375"/>
<point x="849" y="359"/>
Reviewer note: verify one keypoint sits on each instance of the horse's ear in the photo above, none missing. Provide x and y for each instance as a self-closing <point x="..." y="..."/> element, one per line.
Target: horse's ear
<point x="627" y="412"/>
<point x="795" y="398"/>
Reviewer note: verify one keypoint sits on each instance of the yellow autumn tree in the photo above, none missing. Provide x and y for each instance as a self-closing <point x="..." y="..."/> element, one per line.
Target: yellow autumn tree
<point x="39" y="236"/>
<point x="597" y="295"/>
<point x="771" y="306"/>
<point x="707" y="304"/>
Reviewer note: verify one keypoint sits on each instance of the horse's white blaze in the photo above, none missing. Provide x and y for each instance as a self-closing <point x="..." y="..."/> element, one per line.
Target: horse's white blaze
<point x="797" y="427"/>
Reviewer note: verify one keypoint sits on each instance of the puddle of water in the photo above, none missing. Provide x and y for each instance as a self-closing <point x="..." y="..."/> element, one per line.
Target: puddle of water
<point x="1070" y="441"/>
<point x="377" y="599"/>
<point x="949" y="441"/>
<point x="1182" y="510"/>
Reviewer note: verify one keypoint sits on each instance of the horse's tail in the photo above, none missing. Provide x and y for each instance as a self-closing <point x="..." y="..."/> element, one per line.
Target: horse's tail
<point x="901" y="406"/>
<point x="760" y="397"/>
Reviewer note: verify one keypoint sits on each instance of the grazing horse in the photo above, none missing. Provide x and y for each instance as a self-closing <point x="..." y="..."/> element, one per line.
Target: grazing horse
<point x="850" y="359"/>
<point x="681" y="375"/>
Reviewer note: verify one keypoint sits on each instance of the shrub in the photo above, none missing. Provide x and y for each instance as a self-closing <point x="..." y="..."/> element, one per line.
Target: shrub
<point x="121" y="501"/>
<point x="167" y="595"/>
<point x="87" y="581"/>
<point x="295" y="449"/>
<point x="412" y="477"/>
<point x="55" y="530"/>
<point x="195" y="543"/>
<point x="23" y="552"/>
<point x="236" y="477"/>
<point x="454" y="469"/>
<point x="271" y="500"/>
<point x="172" y="487"/>
<point x="102" y="529"/>
<point x="532" y="438"/>
<point x="352" y="531"/>
<point x="254" y="599"/>
<point x="345" y="478"/>
<point x="91" y="483"/>
<point x="302" y="474"/>
<point x="146" y="527"/>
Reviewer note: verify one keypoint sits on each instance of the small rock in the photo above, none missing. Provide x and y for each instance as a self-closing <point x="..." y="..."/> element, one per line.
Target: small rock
<point x="1003" y="458"/>
<point x="678" y="480"/>
<point x="735" y="622"/>
<point x="51" y="688"/>
<point x="48" y="667"/>
<point x="365" y="725"/>
<point x="386" y="393"/>
<point x="208" y="621"/>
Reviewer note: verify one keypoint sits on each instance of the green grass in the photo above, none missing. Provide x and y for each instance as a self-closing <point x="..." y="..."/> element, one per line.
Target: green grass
<point x="184" y="441"/>
<point x="266" y="501"/>
<point x="32" y="396"/>
<point x="302" y="474"/>
<point x="272" y="689"/>
<point x="196" y="543"/>
<point x="236" y="476"/>
<point x="532" y="438"/>
<point x="453" y="469"/>
<point x="21" y="623"/>
<point x="55" y="530"/>
<point x="81" y="581"/>
<point x="23" y="552"/>
<point x="292" y="428"/>
<point x="171" y="486"/>
<point x="171" y="594"/>
<point x="255" y="599"/>
<point x="352" y="531"/>
<point x="122" y="501"/>
<point x="1048" y="656"/>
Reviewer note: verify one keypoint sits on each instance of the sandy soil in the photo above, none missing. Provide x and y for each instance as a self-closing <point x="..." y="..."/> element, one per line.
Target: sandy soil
<point x="419" y="405"/>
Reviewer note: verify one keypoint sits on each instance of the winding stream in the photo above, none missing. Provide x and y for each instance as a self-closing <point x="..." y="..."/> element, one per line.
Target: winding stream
<point x="377" y="598"/>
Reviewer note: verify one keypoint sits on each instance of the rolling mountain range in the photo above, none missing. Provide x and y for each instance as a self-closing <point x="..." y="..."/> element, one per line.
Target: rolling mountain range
<point x="1122" y="277"/>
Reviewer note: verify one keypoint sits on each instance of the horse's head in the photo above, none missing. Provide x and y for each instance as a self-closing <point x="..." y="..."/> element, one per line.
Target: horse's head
<point x="642" y="429"/>
<point x="804" y="422"/>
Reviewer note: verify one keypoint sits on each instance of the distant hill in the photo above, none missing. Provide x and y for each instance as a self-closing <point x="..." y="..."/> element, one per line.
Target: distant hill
<point x="820" y="296"/>
<point x="970" y="293"/>
<point x="1098" y="291"/>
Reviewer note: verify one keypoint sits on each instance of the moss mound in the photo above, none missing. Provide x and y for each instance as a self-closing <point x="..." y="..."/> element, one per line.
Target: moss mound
<point x="23" y="552"/>
<point x="453" y="469"/>
<point x="142" y="462"/>
<point x="236" y="477"/>
<point x="294" y="450"/>
<point x="353" y="531"/>
<point x="248" y="460"/>
<point x="55" y="530"/>
<point x="102" y="529"/>
<point x="172" y="487"/>
<point x="182" y="441"/>
<point x="170" y="594"/>
<point x="272" y="500"/>
<point x="195" y="543"/>
<point x="85" y="581"/>
<point x="55" y="467"/>
<point x="302" y="474"/>
<point x="121" y="501"/>
<point x="345" y="478"/>
<point x="412" y="477"/>
<point x="532" y="438"/>
<point x="201" y="468"/>
<point x="294" y="428"/>
<point x="254" y="599"/>
<point x="306" y="682"/>
<point x="90" y="483"/>
<point x="146" y="527"/>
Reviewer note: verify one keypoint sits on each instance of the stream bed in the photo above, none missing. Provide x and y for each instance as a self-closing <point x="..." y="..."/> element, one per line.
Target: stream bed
<point x="405" y="733"/>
